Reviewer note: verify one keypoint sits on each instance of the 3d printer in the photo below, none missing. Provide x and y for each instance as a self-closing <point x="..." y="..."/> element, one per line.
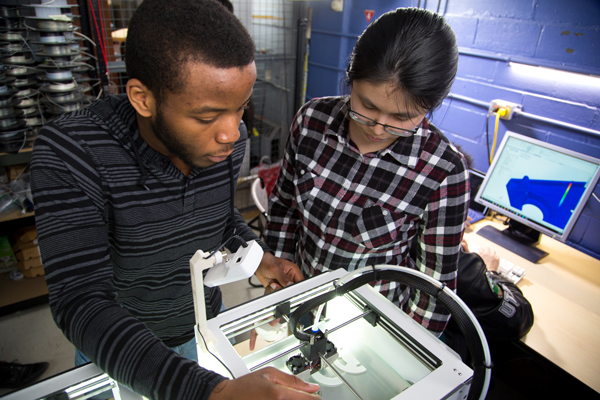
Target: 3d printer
<point x="362" y="346"/>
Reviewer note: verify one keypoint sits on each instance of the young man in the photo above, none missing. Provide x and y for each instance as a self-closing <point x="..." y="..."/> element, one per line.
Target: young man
<point x="499" y="305"/>
<point x="127" y="190"/>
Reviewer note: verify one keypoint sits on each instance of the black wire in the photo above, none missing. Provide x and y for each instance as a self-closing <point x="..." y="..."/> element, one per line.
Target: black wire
<point x="218" y="359"/>
<point x="234" y="237"/>
<point x="254" y="284"/>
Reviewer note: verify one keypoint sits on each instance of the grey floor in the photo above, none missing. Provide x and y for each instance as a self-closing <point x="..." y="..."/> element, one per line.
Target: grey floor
<point x="32" y="336"/>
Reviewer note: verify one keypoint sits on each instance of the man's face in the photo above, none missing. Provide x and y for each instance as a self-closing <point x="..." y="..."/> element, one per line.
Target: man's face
<point x="199" y="125"/>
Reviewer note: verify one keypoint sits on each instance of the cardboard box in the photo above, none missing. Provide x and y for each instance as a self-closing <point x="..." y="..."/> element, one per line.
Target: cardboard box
<point x="28" y="264"/>
<point x="33" y="272"/>
<point x="26" y="235"/>
<point x="27" y="253"/>
<point x="18" y="246"/>
<point x="13" y="292"/>
<point x="15" y="171"/>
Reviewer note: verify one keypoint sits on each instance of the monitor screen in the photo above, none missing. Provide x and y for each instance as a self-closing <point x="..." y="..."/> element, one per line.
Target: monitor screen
<point x="476" y="179"/>
<point x="539" y="184"/>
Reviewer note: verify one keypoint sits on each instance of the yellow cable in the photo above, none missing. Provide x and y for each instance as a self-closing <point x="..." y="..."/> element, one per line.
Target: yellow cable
<point x="500" y="113"/>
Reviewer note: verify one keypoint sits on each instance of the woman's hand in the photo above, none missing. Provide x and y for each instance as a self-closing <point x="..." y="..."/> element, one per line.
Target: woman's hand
<point x="277" y="272"/>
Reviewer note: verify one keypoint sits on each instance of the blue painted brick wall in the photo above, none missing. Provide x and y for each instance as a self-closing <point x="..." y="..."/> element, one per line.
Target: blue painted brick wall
<point x="555" y="33"/>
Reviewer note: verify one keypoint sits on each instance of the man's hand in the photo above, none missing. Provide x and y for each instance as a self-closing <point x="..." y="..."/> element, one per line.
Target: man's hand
<point x="277" y="272"/>
<point x="266" y="383"/>
<point x="489" y="256"/>
<point x="468" y="222"/>
<point x="465" y="246"/>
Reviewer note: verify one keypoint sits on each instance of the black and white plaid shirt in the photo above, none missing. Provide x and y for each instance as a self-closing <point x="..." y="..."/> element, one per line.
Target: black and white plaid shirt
<point x="333" y="207"/>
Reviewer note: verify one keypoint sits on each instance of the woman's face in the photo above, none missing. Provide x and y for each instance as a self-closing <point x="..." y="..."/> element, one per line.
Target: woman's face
<point x="384" y="103"/>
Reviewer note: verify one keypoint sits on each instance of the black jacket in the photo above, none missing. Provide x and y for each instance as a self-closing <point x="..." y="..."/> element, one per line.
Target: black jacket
<point x="503" y="317"/>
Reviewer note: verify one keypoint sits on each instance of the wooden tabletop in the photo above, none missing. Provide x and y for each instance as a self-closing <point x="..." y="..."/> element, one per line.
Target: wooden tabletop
<point x="564" y="290"/>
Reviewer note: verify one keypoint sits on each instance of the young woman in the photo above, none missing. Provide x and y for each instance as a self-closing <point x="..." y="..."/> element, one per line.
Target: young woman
<point x="365" y="174"/>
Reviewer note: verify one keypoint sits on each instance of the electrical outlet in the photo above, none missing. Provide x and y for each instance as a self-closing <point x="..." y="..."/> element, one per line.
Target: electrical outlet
<point x="511" y="108"/>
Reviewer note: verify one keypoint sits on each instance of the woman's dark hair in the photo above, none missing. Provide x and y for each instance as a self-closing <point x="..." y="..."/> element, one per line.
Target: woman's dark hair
<point x="164" y="35"/>
<point x="411" y="48"/>
<point x="468" y="158"/>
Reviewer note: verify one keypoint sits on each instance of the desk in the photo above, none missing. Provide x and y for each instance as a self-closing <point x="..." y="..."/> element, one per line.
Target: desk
<point x="564" y="291"/>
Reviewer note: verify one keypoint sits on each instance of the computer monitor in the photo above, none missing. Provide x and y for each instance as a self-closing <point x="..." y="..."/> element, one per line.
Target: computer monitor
<point x="477" y="211"/>
<point x="540" y="187"/>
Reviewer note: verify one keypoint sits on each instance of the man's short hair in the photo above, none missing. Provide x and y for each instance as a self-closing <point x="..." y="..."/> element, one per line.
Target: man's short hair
<point x="164" y="35"/>
<point x="227" y="4"/>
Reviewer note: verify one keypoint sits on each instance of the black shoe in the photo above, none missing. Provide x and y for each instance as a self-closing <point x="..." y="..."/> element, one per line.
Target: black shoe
<point x="13" y="375"/>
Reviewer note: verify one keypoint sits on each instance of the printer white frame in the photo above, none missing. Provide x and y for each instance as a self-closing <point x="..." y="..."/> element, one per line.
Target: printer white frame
<point x="451" y="380"/>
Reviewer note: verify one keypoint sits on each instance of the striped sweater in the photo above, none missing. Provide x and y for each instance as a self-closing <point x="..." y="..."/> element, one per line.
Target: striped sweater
<point x="117" y="227"/>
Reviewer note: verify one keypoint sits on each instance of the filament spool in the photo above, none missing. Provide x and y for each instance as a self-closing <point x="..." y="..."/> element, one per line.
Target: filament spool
<point x="25" y="102"/>
<point x="33" y="121"/>
<point x="10" y="24"/>
<point x="10" y="135"/>
<point x="45" y="25"/>
<point x="6" y="112"/>
<point x="6" y="92"/>
<point x="66" y="97"/>
<point x="18" y="59"/>
<point x="9" y="12"/>
<point x="21" y="71"/>
<point x="12" y="47"/>
<point x="31" y="111"/>
<point x="24" y="82"/>
<point x="57" y="87"/>
<point x="9" y="102"/>
<point x="52" y="39"/>
<point x="53" y="49"/>
<point x="26" y="93"/>
<point x="59" y="76"/>
<point x="6" y="79"/>
<point x="11" y="37"/>
<point x="11" y="123"/>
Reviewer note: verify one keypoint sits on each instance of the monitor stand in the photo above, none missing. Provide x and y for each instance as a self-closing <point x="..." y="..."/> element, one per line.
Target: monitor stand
<point x="517" y="238"/>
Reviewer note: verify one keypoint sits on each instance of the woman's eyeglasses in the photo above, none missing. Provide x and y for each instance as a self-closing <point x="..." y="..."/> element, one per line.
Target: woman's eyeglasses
<point x="361" y="119"/>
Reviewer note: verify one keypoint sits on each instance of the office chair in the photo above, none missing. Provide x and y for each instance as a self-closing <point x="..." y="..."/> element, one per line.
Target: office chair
<point x="261" y="200"/>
